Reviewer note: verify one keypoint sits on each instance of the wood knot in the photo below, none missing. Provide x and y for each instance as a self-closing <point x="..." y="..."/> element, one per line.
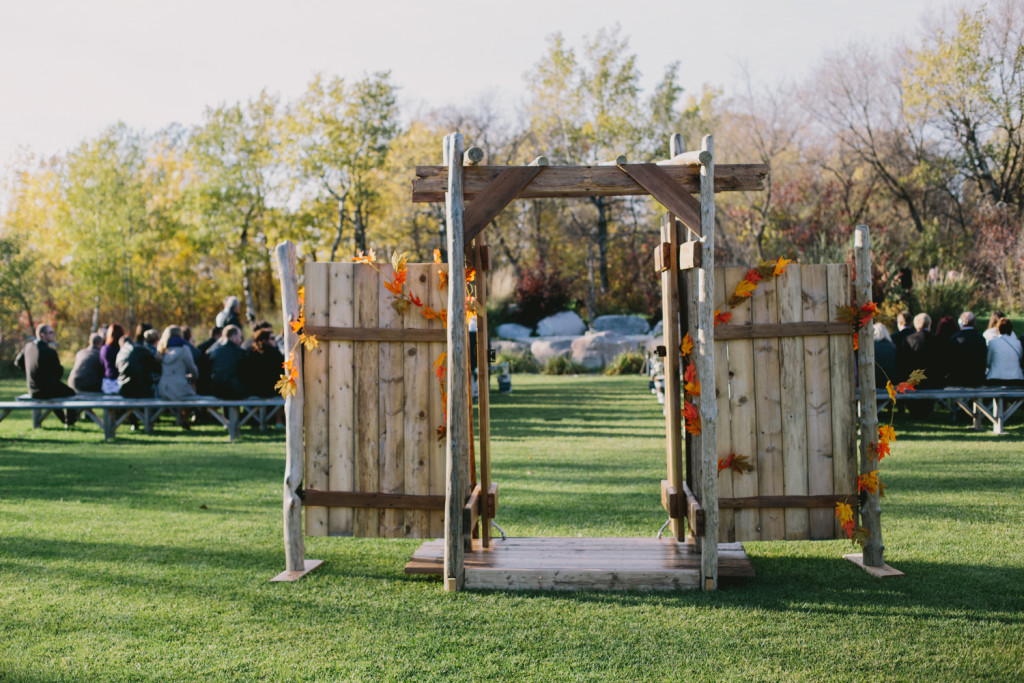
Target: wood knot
<point x="411" y="351"/>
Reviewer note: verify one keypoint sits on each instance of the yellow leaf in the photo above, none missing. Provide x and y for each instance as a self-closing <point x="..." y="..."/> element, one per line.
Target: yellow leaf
<point x="780" y="266"/>
<point x="686" y="348"/>
<point x="437" y="256"/>
<point x="844" y="513"/>
<point x="891" y="390"/>
<point x="886" y="434"/>
<point x="309" y="341"/>
<point x="745" y="288"/>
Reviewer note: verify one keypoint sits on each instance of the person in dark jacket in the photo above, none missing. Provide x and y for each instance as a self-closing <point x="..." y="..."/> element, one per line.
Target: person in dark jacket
<point x="203" y="363"/>
<point x="920" y="351"/>
<point x="43" y="371"/>
<point x="226" y="362"/>
<point x="108" y="357"/>
<point x="87" y="373"/>
<point x="136" y="367"/>
<point x="885" y="356"/>
<point x="965" y="355"/>
<point x="903" y="329"/>
<point x="263" y="365"/>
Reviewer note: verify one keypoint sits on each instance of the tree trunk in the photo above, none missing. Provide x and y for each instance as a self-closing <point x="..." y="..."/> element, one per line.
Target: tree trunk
<point x="341" y="225"/>
<point x="95" y="314"/>
<point x="360" y="228"/>
<point x="250" y="308"/>
<point x="601" y="237"/>
<point x="591" y="285"/>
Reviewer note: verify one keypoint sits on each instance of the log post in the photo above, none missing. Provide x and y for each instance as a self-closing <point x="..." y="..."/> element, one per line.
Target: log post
<point x="705" y="344"/>
<point x="484" y="390"/>
<point x="294" y="544"/>
<point x="673" y="395"/>
<point x="457" y="438"/>
<point x="473" y="156"/>
<point x="871" y="512"/>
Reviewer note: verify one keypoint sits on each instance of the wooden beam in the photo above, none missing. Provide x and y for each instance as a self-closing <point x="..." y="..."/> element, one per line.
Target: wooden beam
<point x="693" y="511"/>
<point x="539" y="161"/>
<point x="694" y="158"/>
<point x="489" y="203"/>
<point x="473" y="156"/>
<point x="770" y="330"/>
<point x="670" y="307"/>
<point x="669" y="499"/>
<point x="375" y="500"/>
<point x="585" y="181"/>
<point x="457" y="440"/>
<point x="662" y="257"/>
<point x="690" y="255"/>
<point x="817" y="501"/>
<point x="377" y="334"/>
<point x="667" y="191"/>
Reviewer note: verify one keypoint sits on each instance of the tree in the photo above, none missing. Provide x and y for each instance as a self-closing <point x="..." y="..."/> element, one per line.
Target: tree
<point x="339" y="136"/>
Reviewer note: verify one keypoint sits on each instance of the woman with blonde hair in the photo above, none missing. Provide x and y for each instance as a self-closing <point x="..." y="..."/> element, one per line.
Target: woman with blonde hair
<point x="179" y="368"/>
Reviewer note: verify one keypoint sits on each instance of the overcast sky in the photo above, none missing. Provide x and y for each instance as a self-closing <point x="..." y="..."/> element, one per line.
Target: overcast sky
<point x="69" y="68"/>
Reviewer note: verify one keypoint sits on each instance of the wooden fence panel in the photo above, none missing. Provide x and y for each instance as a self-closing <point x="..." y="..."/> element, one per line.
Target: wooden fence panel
<point x="342" y="410"/>
<point x="391" y="443"/>
<point x="786" y="402"/>
<point x="438" y="477"/>
<point x="315" y="405"/>
<point x="419" y="437"/>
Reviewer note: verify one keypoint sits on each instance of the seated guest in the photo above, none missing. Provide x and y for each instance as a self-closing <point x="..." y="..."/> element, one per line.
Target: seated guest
<point x="229" y="316"/>
<point x="108" y="357"/>
<point x="263" y="365"/>
<point x="885" y="356"/>
<point x="946" y="328"/>
<point x="136" y="367"/>
<point x="43" y="371"/>
<point x="87" y="373"/>
<point x="993" y="321"/>
<point x="920" y="352"/>
<point x="903" y="328"/>
<point x="203" y="364"/>
<point x="226" y="361"/>
<point x="1004" y="356"/>
<point x="149" y="339"/>
<point x="247" y="344"/>
<point x="965" y="355"/>
<point x="140" y="332"/>
<point x="178" y="366"/>
<point x="186" y="334"/>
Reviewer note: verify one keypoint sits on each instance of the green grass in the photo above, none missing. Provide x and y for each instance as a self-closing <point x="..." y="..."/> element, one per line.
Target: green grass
<point x="149" y="559"/>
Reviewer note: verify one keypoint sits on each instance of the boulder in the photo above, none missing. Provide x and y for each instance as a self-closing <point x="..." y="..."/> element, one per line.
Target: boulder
<point x="564" y="324"/>
<point x="597" y="349"/>
<point x="514" y="331"/>
<point x="658" y="327"/>
<point x="551" y="347"/>
<point x="621" y="324"/>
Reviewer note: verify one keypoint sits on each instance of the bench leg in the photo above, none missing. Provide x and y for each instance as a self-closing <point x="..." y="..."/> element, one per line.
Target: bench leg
<point x="976" y="414"/>
<point x="109" y="424"/>
<point x="997" y="411"/>
<point x="149" y="416"/>
<point x="233" y="428"/>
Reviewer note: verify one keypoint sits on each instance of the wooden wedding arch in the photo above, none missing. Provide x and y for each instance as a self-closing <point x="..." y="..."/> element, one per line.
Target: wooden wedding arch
<point x="349" y="475"/>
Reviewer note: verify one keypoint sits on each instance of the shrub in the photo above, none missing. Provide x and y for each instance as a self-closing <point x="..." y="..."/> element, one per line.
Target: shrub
<point x="520" y="362"/>
<point x="563" y="365"/>
<point x="626" y="363"/>
<point x="951" y="297"/>
<point x="541" y="292"/>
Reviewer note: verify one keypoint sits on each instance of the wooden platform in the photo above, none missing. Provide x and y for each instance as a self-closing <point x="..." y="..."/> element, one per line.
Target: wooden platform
<point x="582" y="564"/>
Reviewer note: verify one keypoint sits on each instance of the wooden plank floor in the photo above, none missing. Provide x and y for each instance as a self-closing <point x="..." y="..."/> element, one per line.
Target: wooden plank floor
<point x="582" y="564"/>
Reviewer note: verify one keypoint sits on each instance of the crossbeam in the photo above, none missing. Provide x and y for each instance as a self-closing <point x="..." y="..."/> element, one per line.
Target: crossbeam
<point x="584" y="181"/>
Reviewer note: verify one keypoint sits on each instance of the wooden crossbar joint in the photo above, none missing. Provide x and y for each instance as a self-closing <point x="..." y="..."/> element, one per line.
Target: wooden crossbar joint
<point x="672" y="196"/>
<point x="693" y="510"/>
<point x="662" y="257"/>
<point x="669" y="499"/>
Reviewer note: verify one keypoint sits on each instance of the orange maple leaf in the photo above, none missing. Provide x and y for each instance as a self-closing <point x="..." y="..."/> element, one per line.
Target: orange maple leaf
<point x="722" y="318"/>
<point x="904" y="387"/>
<point x="724" y="463"/>
<point x="437" y="256"/>
<point x="470" y="274"/>
<point x="881" y="450"/>
<point x="302" y="295"/>
<point x="865" y="313"/>
<point x="844" y="513"/>
<point x="692" y="388"/>
<point x="692" y="418"/>
<point x="686" y="348"/>
<point x="442" y="279"/>
<point x="753" y="277"/>
<point x="886" y="434"/>
<point x="415" y="300"/>
<point x="780" y="266"/>
<point x="297" y="325"/>
<point x="745" y="288"/>
<point x="868" y="482"/>
<point x="393" y="286"/>
<point x="891" y="390"/>
<point x="856" y="342"/>
<point x="690" y="373"/>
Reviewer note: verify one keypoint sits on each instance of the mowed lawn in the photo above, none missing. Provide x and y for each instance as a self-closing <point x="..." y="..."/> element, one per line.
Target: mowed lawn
<point x="149" y="559"/>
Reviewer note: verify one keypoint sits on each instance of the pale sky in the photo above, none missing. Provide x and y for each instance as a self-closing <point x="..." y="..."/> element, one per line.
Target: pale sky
<point x="70" y="68"/>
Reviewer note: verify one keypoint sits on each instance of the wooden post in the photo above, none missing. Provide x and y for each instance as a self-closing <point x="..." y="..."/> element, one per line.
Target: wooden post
<point x="483" y="375"/>
<point x="706" y="372"/>
<point x="457" y="440"/>
<point x="871" y="511"/>
<point x="294" y="545"/>
<point x="673" y="394"/>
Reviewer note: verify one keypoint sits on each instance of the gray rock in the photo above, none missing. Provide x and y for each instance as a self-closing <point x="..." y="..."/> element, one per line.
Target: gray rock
<point x="506" y="346"/>
<point x="597" y="349"/>
<point x="514" y="331"/>
<point x="621" y="324"/>
<point x="658" y="327"/>
<point x="564" y="324"/>
<point x="551" y="347"/>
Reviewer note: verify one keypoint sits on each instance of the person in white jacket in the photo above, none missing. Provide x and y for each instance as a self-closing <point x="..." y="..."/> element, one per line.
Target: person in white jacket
<point x="1004" y="356"/>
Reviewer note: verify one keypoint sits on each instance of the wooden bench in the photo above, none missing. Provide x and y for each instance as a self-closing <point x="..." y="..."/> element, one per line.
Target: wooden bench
<point x="974" y="401"/>
<point x="111" y="411"/>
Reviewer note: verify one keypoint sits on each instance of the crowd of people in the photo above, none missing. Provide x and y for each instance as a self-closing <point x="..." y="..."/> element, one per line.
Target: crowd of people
<point x="149" y="364"/>
<point x="954" y="355"/>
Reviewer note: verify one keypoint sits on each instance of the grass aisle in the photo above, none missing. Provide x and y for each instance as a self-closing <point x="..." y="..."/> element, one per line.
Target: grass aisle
<point x="149" y="559"/>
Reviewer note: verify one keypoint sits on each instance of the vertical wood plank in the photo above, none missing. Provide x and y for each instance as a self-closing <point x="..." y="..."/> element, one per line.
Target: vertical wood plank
<point x="794" y="408"/>
<point x="742" y="412"/>
<point x="390" y="446"/>
<point x="294" y="543"/>
<point x="438" y="477"/>
<point x="315" y="405"/>
<point x="819" y="400"/>
<point x="844" y="405"/>
<point x="419" y="436"/>
<point x="366" y="522"/>
<point x="484" y="392"/>
<point x="457" y="446"/>
<point x="695" y="473"/>
<point x="706" y="370"/>
<point x="770" y="481"/>
<point x="726" y="518"/>
<point x="673" y="393"/>
<point x="342" y="411"/>
<point x="871" y="511"/>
